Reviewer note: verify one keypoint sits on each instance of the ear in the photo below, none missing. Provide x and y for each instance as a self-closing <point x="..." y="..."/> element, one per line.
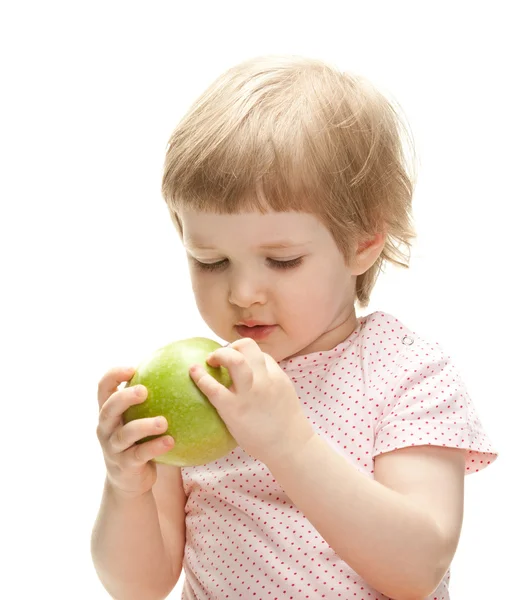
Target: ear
<point x="367" y="252"/>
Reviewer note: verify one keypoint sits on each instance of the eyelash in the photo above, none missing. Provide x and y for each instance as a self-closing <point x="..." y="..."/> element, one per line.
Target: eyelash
<point x="278" y="264"/>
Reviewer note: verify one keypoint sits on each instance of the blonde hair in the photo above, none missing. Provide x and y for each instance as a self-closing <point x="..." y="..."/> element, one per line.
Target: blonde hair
<point x="296" y="134"/>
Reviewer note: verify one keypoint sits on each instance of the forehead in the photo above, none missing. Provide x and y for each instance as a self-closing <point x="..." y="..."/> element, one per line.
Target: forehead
<point x="203" y="230"/>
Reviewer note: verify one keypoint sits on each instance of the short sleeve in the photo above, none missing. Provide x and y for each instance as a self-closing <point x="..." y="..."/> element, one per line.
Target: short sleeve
<point x="427" y="404"/>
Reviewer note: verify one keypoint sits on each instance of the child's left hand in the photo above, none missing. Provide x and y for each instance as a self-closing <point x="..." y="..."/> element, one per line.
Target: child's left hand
<point x="261" y="408"/>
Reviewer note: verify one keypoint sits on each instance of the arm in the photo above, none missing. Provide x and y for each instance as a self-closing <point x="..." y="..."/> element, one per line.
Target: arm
<point x="398" y="531"/>
<point x="138" y="543"/>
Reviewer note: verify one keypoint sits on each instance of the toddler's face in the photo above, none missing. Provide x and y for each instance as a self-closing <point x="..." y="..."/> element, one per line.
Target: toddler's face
<point x="310" y="300"/>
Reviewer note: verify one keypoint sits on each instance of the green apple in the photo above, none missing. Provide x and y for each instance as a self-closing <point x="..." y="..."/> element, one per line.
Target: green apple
<point x="199" y="433"/>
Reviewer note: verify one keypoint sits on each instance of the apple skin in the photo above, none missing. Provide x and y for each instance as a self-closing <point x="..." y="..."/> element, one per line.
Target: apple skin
<point x="199" y="433"/>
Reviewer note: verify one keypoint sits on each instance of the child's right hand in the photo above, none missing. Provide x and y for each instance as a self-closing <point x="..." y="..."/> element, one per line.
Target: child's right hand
<point x="130" y="470"/>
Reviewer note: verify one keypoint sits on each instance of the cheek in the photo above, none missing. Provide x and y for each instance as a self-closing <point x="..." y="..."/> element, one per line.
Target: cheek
<point x="302" y="296"/>
<point x="205" y="292"/>
<point x="317" y="294"/>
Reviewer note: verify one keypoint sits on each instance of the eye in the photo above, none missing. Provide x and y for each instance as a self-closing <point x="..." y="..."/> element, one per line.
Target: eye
<point x="276" y="264"/>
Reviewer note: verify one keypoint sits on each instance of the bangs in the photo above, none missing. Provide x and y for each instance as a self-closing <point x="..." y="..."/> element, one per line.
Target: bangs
<point x="259" y="162"/>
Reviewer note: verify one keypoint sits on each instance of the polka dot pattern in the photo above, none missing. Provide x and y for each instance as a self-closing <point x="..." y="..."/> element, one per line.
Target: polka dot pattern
<point x="381" y="389"/>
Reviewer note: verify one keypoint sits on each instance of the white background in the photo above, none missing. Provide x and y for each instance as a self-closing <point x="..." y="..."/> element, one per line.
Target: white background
<point x="93" y="274"/>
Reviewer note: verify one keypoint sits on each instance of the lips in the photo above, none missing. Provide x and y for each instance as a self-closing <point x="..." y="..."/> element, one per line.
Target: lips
<point x="256" y="332"/>
<point x="253" y="323"/>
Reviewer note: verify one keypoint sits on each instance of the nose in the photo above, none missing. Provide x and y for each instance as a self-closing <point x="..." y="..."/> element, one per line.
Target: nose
<point x="246" y="290"/>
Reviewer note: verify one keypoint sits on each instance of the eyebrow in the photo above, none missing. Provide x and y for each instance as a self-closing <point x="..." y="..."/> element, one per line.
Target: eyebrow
<point x="273" y="246"/>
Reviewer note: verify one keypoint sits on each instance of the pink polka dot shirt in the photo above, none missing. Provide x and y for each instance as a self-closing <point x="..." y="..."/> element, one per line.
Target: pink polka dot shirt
<point x="382" y="388"/>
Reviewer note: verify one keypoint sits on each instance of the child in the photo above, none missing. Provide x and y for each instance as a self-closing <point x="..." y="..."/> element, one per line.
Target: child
<point x="288" y="185"/>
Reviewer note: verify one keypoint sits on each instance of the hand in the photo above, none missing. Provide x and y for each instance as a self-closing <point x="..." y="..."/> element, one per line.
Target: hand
<point x="261" y="408"/>
<point x="129" y="467"/>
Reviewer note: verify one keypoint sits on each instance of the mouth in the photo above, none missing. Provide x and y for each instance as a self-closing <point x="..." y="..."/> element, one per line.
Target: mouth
<point x="253" y="323"/>
<point x="256" y="332"/>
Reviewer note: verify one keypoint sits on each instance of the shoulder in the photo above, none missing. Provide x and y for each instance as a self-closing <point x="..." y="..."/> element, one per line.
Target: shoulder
<point x="408" y="367"/>
<point x="389" y="331"/>
<point x="390" y="348"/>
<point x="424" y="399"/>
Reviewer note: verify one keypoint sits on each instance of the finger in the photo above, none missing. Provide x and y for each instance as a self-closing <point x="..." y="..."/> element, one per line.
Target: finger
<point x="111" y="380"/>
<point x="238" y="366"/>
<point x="139" y="454"/>
<point x="249" y="348"/>
<point x="251" y="351"/>
<point x="270" y="364"/>
<point x="126" y="435"/>
<point x="210" y="387"/>
<point x="110" y="415"/>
